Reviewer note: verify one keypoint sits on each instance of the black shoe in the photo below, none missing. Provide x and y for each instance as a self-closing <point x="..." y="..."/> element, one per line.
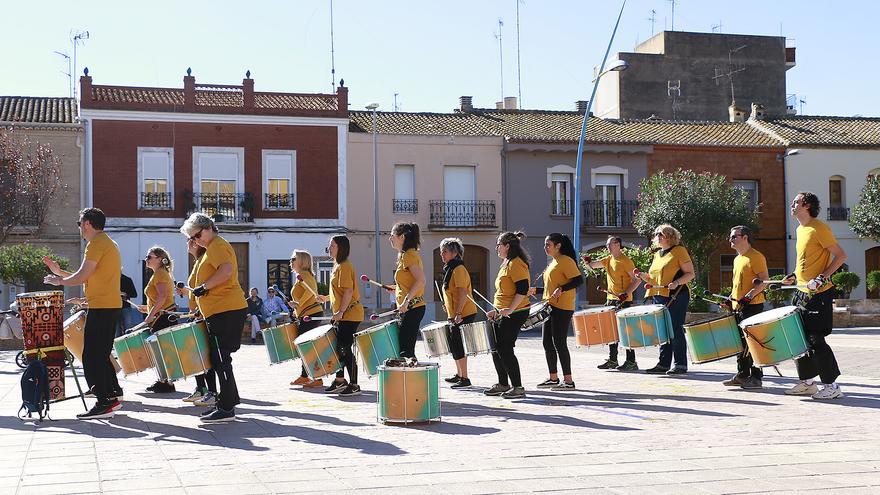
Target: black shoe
<point x="608" y="365"/>
<point x="677" y="371"/>
<point x="219" y="416"/>
<point x="751" y="383"/>
<point x="116" y="394"/>
<point x="497" y="389"/>
<point x="350" y="390"/>
<point x="657" y="370"/>
<point x="209" y="412"/>
<point x="628" y="366"/>
<point x="453" y="379"/>
<point x="161" y="388"/>
<point x="100" y="411"/>
<point x="514" y="393"/>
<point x="549" y="383"/>
<point x="336" y="386"/>
<point x="462" y="383"/>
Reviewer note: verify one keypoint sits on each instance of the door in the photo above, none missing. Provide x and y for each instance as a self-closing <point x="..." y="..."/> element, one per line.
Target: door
<point x="872" y="262"/>
<point x="459" y="193"/>
<point x="241" y="256"/>
<point x="607" y="200"/>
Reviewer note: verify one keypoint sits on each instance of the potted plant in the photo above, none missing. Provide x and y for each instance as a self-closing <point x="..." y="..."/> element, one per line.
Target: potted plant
<point x="845" y="283"/>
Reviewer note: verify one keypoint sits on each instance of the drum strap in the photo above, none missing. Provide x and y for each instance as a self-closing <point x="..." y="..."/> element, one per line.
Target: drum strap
<point x="305" y="310"/>
<point x="41" y="351"/>
<point x="414" y="301"/>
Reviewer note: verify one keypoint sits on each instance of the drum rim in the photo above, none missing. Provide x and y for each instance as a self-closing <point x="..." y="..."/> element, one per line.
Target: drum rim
<point x="166" y="331"/>
<point x="316" y="333"/>
<point x="600" y="309"/>
<point x="421" y="365"/>
<point x="717" y="318"/>
<point x="374" y="328"/>
<point x="632" y="310"/>
<point x="744" y="324"/>
<point x="36" y="293"/>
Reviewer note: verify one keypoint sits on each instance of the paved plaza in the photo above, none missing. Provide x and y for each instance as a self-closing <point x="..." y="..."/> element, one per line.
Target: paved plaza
<point x="618" y="433"/>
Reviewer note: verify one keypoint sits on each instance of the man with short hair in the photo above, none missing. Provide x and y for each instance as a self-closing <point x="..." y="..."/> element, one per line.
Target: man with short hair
<point x="255" y="312"/>
<point x="273" y="306"/>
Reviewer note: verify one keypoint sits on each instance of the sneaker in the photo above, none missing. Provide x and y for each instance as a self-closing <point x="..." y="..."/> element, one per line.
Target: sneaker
<point x="301" y="380"/>
<point x="116" y="394"/>
<point x="314" y="384"/>
<point x="115" y="405"/>
<point x="161" y="388"/>
<point x="514" y="393"/>
<point x="564" y="386"/>
<point x="219" y="416"/>
<point x="198" y="394"/>
<point x="735" y="381"/>
<point x="677" y="371"/>
<point x="752" y="383"/>
<point x="628" y="366"/>
<point x="657" y="370"/>
<point x="453" y="379"/>
<point x="462" y="383"/>
<point x="609" y="364"/>
<point x="207" y="400"/>
<point x="497" y="389"/>
<point x="802" y="388"/>
<point x="335" y="386"/>
<point x="207" y="412"/>
<point x="350" y="390"/>
<point x="828" y="392"/>
<point x="99" y="411"/>
<point x="549" y="383"/>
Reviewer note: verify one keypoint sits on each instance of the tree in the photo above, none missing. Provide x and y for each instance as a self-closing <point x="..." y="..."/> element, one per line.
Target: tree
<point x="30" y="180"/>
<point x="864" y="219"/>
<point x="702" y="206"/>
<point x="22" y="264"/>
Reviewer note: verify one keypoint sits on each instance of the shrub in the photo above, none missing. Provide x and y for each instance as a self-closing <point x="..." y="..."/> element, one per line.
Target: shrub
<point x="845" y="283"/>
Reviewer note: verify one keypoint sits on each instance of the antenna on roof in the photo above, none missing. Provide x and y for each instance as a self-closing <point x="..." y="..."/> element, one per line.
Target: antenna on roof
<point x="69" y="72"/>
<point x="672" y="28"/>
<point x="500" y="55"/>
<point x="332" y="54"/>
<point x="396" y="108"/>
<point x="518" y="72"/>
<point x="802" y="101"/>
<point x="653" y="19"/>
<point x="718" y="27"/>
<point x="730" y="71"/>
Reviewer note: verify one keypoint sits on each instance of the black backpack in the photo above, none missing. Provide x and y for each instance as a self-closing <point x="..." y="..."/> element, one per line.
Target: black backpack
<point x="35" y="390"/>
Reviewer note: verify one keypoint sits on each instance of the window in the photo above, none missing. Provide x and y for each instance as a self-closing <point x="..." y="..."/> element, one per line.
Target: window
<point x="560" y="190"/>
<point x="837" y="209"/>
<point x="751" y="189"/>
<point x="279" y="171"/>
<point x="278" y="273"/>
<point x="218" y="184"/>
<point x="405" y="190"/>
<point x="155" y="178"/>
<point x="325" y="267"/>
<point x="727" y="270"/>
<point x="607" y="209"/>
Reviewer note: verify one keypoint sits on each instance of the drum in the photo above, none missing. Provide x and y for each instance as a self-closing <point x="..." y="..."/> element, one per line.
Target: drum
<point x="156" y="356"/>
<point x="644" y="326"/>
<point x="74" y="337"/>
<point x="131" y="349"/>
<point x="478" y="338"/>
<point x="42" y="323"/>
<point x="538" y="313"/>
<point x="713" y="339"/>
<point x="279" y="342"/>
<point x="595" y="326"/>
<point x="409" y="394"/>
<point x="774" y="336"/>
<point x="317" y="348"/>
<point x="185" y="350"/>
<point x="378" y="343"/>
<point x="436" y="339"/>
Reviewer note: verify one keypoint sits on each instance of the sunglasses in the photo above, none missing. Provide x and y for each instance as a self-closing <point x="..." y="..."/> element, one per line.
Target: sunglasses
<point x="79" y="223"/>
<point x="198" y="235"/>
<point x="149" y="256"/>
<point x="658" y="234"/>
<point x="734" y="236"/>
<point x="327" y="250"/>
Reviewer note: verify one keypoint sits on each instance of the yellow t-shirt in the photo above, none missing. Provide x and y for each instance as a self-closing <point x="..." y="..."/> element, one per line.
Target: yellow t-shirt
<point x="102" y="288"/>
<point x="511" y="272"/>
<point x="404" y="278"/>
<point x="559" y="272"/>
<point x="813" y="257"/>
<point x="227" y="296"/>
<point x="618" y="275"/>
<point x="460" y="279"/>
<point x="746" y="268"/>
<point x="665" y="267"/>
<point x="304" y="298"/>
<point x="343" y="277"/>
<point x="191" y="281"/>
<point x="160" y="277"/>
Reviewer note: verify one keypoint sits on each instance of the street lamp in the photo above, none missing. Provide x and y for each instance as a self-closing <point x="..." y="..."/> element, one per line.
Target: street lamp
<point x="373" y="107"/>
<point x="787" y="235"/>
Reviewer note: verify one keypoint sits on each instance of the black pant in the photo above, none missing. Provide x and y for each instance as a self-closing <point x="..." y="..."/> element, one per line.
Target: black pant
<point x="409" y="331"/>
<point x="555" y="336"/>
<point x="207" y="380"/>
<point x="745" y="365"/>
<point x="224" y="335"/>
<point x="506" y="332"/>
<point x="818" y="317"/>
<point x="456" y="345"/>
<point x="678" y="346"/>
<point x="345" y="331"/>
<point x="305" y="326"/>
<point x="612" y="348"/>
<point x="99" y="372"/>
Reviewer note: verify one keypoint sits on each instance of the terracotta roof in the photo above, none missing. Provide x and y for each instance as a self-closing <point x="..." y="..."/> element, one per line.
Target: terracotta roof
<point x="424" y="124"/>
<point x="296" y="101"/>
<point x="126" y="94"/>
<point x="38" y="110"/>
<point x="806" y="130"/>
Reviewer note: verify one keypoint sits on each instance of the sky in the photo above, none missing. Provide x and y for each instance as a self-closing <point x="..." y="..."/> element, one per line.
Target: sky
<point x="429" y="53"/>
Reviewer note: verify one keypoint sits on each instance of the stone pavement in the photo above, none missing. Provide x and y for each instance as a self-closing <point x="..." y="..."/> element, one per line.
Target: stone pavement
<point x="618" y="433"/>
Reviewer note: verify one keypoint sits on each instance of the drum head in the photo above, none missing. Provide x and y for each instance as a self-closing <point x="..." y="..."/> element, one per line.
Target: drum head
<point x="72" y="318"/>
<point x="641" y="310"/>
<point x="707" y="320"/>
<point x="313" y="334"/>
<point x="537" y="307"/>
<point x="774" y="314"/>
<point x="603" y="309"/>
<point x="433" y="325"/>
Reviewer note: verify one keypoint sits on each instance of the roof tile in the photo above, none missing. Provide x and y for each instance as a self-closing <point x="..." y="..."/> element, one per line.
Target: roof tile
<point x="38" y="110"/>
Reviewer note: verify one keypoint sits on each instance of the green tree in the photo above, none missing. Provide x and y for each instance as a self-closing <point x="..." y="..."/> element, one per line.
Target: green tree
<point x="864" y="219"/>
<point x="845" y="283"/>
<point x="22" y="264"/>
<point x="702" y="206"/>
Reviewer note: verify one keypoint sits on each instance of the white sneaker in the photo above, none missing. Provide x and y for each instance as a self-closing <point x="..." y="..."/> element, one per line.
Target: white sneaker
<point x="194" y="396"/>
<point x="208" y="400"/>
<point x="802" y="388"/>
<point x="828" y="392"/>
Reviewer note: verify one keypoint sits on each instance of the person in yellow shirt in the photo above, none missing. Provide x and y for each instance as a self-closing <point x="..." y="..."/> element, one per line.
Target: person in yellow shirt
<point x="100" y="273"/>
<point x="305" y="303"/>
<point x="160" y="298"/>
<point x="460" y="307"/>
<point x="747" y="300"/>
<point x="348" y="313"/>
<point x="409" y="278"/>
<point x="562" y="277"/>
<point x="511" y="304"/>
<point x="222" y="303"/>
<point x="670" y="271"/>
<point x="205" y="393"/>
<point x="621" y="284"/>
<point x="818" y="257"/>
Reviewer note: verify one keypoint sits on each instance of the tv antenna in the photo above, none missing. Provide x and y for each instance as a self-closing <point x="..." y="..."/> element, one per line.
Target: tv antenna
<point x="673" y="14"/>
<point x="69" y="72"/>
<point x="653" y="20"/>
<point x="500" y="55"/>
<point x="518" y="71"/>
<point x="802" y="101"/>
<point x="77" y="38"/>
<point x="673" y="90"/>
<point x="731" y="70"/>
<point x="718" y="27"/>
<point x="396" y="108"/>
<point x="332" y="54"/>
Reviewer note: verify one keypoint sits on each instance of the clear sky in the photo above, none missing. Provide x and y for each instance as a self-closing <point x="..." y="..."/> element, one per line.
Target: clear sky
<point x="429" y="52"/>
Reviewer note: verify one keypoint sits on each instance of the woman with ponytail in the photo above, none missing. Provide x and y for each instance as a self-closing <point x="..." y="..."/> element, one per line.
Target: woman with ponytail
<point x="410" y="279"/>
<point x="160" y="298"/>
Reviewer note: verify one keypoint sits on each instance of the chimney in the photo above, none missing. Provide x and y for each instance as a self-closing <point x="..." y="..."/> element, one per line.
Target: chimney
<point x="757" y="111"/>
<point x="342" y="99"/>
<point x="85" y="87"/>
<point x="499" y="105"/>
<point x="736" y="113"/>
<point x="247" y="88"/>
<point x="465" y="103"/>
<point x="581" y="106"/>
<point x="510" y="102"/>
<point x="189" y="90"/>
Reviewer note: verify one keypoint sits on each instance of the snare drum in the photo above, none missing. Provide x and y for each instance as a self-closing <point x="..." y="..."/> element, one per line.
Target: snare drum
<point x="317" y="348"/>
<point x="131" y="349"/>
<point x="409" y="394"/>
<point x="279" y="342"/>
<point x="436" y="339"/>
<point x="595" y="326"/>
<point x="644" y="326"/>
<point x="185" y="350"/>
<point x="538" y="313"/>
<point x="378" y="343"/>
<point x="713" y="339"/>
<point x="775" y="336"/>
<point x="478" y="338"/>
<point x="74" y="337"/>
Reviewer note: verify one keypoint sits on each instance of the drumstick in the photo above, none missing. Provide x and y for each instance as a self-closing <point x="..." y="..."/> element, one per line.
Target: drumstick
<point x="374" y="316"/>
<point x="602" y="289"/>
<point x="718" y="296"/>
<point x="308" y="318"/>
<point x="777" y="284"/>
<point x="440" y="295"/>
<point x="300" y="278"/>
<point x="489" y="303"/>
<point x="380" y="284"/>
<point x="182" y="285"/>
<point x="478" y="306"/>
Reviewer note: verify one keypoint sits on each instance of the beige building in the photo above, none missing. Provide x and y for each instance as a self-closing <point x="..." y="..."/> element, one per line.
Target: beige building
<point x="442" y="171"/>
<point x="52" y="121"/>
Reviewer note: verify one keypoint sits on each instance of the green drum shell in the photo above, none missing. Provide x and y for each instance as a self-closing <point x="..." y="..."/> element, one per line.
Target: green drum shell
<point x="185" y="350"/>
<point x="713" y="339"/>
<point x="279" y="343"/>
<point x="781" y="339"/>
<point x="643" y="330"/>
<point x="317" y="348"/>
<point x="132" y="352"/>
<point x="376" y="344"/>
<point x="409" y="394"/>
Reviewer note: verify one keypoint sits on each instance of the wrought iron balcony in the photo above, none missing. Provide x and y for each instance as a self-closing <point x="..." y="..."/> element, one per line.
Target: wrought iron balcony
<point x="838" y="213"/>
<point x="561" y="208"/>
<point x="155" y="201"/>
<point x="474" y="214"/>
<point x="608" y="213"/>
<point x="279" y="202"/>
<point x="408" y="206"/>
<point x="228" y="208"/>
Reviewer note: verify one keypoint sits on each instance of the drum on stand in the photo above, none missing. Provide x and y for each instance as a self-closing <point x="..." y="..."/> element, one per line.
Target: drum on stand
<point x="409" y="393"/>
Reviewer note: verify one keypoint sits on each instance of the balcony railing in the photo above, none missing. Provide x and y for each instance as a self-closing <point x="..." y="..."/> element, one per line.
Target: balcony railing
<point x="155" y="201"/>
<point x="475" y="214"/>
<point x="279" y="202"/>
<point x="228" y="208"/>
<point x="406" y="206"/>
<point x="561" y="208"/>
<point x="608" y="213"/>
<point x="838" y="213"/>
